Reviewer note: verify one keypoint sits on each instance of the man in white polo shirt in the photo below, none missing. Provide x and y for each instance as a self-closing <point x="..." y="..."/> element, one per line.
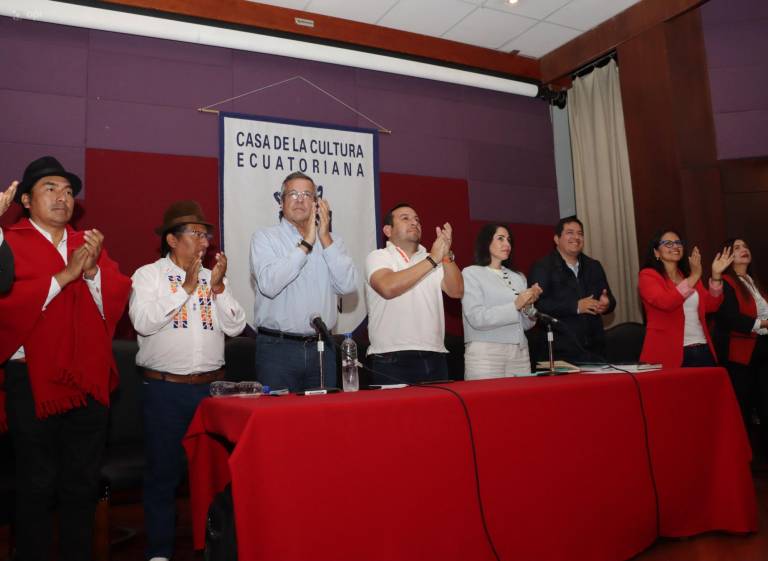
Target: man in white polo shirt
<point x="406" y="322"/>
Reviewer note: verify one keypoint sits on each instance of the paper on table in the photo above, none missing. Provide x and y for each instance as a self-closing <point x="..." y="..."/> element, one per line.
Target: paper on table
<point x="393" y="386"/>
<point x="560" y="366"/>
<point x="634" y="368"/>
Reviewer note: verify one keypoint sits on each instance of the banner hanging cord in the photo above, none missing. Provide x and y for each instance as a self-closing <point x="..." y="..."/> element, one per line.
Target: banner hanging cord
<point x="209" y="108"/>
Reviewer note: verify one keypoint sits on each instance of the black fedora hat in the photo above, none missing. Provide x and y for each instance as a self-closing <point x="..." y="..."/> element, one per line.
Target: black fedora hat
<point x="45" y="167"/>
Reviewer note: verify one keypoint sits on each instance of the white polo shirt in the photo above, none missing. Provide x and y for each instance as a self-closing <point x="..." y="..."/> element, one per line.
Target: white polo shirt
<point x="415" y="320"/>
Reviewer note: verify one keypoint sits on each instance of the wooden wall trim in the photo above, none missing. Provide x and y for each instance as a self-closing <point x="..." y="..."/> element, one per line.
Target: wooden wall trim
<point x="670" y="133"/>
<point x="607" y="36"/>
<point x="267" y="17"/>
<point x="748" y="175"/>
<point x="745" y="198"/>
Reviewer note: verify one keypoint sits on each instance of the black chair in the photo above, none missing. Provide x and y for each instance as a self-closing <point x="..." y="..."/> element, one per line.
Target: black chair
<point x="123" y="464"/>
<point x="455" y="358"/>
<point x="240" y="358"/>
<point x="124" y="455"/>
<point x="624" y="342"/>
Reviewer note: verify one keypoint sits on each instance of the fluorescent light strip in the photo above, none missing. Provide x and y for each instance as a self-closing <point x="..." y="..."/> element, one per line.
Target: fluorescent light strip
<point x="161" y="28"/>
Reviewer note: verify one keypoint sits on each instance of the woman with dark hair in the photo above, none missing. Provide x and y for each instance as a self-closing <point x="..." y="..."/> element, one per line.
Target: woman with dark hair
<point x="494" y="303"/>
<point x="741" y="333"/>
<point x="676" y="302"/>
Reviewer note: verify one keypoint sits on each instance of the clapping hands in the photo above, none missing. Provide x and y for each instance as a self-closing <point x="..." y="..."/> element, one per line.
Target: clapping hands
<point x="442" y="246"/>
<point x="6" y="197"/>
<point x="595" y="306"/>
<point x="94" y="240"/>
<point x="694" y="261"/>
<point x="218" y="272"/>
<point x="528" y="297"/>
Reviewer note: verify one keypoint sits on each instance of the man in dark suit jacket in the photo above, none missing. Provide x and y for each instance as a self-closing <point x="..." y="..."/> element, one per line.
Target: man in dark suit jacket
<point x="576" y="292"/>
<point x="6" y="257"/>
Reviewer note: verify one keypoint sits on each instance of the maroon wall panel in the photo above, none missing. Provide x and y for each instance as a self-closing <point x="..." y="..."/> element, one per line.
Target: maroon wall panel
<point x="129" y="191"/>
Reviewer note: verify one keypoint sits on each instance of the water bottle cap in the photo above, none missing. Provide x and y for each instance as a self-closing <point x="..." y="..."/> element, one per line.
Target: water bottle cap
<point x="265" y="389"/>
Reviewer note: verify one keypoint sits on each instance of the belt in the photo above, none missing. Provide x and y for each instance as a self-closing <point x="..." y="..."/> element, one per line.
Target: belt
<point x="203" y="378"/>
<point x="284" y="335"/>
<point x="412" y="353"/>
<point x="696" y="346"/>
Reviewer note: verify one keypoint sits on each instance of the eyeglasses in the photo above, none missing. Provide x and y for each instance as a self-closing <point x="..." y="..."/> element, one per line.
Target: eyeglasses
<point x="198" y="234"/>
<point x="669" y="244"/>
<point x="300" y="195"/>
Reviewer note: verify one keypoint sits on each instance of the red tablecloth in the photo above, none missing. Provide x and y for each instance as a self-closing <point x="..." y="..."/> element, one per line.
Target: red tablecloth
<point x="564" y="469"/>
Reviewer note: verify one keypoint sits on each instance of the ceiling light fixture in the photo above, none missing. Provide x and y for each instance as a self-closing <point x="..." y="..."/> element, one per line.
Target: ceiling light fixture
<point x="174" y="30"/>
<point x="511" y="1"/>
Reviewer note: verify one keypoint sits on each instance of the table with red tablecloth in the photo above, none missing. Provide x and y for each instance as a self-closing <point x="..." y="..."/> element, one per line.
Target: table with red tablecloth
<point x="584" y="466"/>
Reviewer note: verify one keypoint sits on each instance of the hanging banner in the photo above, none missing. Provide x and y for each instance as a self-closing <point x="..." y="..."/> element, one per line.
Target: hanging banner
<point x="257" y="153"/>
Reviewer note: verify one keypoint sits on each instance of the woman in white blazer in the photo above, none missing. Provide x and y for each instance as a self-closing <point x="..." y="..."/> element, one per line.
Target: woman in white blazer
<point x="493" y="309"/>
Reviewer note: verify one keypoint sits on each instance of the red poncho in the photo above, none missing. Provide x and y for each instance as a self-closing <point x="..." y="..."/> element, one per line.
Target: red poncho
<point x="68" y="346"/>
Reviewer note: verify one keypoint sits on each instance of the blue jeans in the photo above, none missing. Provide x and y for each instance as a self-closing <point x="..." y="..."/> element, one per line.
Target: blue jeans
<point x="287" y="363"/>
<point x="168" y="410"/>
<point x="409" y="367"/>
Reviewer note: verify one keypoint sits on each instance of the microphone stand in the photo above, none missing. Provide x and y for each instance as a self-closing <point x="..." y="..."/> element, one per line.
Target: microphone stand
<point x="320" y="353"/>
<point x="322" y="333"/>
<point x="550" y="340"/>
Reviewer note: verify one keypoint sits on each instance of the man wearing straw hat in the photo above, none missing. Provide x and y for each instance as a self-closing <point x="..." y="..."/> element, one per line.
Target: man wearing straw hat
<point x="181" y="312"/>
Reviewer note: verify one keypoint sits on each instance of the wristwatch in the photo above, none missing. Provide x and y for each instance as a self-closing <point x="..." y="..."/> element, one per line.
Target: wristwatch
<point x="432" y="261"/>
<point x="306" y="244"/>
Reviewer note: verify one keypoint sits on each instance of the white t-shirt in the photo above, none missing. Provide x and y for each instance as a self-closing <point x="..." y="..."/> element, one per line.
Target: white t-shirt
<point x="693" y="333"/>
<point x="760" y="304"/>
<point x="412" y="321"/>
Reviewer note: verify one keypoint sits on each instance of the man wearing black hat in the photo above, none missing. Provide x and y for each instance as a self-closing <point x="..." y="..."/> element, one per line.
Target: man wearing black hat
<point x="56" y="327"/>
<point x="181" y="312"/>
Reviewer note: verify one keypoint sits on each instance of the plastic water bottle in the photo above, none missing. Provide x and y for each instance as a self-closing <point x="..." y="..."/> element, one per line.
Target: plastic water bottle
<point x="223" y="388"/>
<point x="349" y="380"/>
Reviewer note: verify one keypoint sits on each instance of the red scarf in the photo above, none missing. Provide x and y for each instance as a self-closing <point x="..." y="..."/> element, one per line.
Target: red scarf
<point x="68" y="346"/>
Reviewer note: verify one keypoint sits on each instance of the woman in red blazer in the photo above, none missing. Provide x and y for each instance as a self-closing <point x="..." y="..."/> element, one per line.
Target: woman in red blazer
<point x="676" y="302"/>
<point x="741" y="334"/>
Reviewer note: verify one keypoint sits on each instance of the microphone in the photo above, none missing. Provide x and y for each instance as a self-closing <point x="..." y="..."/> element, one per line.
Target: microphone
<point x="317" y="322"/>
<point x="532" y="313"/>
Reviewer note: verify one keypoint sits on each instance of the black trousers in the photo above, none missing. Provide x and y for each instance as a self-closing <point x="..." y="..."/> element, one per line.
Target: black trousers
<point x="697" y="356"/>
<point x="57" y="468"/>
<point x="750" y="384"/>
<point x="409" y="367"/>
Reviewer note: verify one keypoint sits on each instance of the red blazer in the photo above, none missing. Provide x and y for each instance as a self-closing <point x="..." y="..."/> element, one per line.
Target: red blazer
<point x="740" y="345"/>
<point x="663" y="305"/>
